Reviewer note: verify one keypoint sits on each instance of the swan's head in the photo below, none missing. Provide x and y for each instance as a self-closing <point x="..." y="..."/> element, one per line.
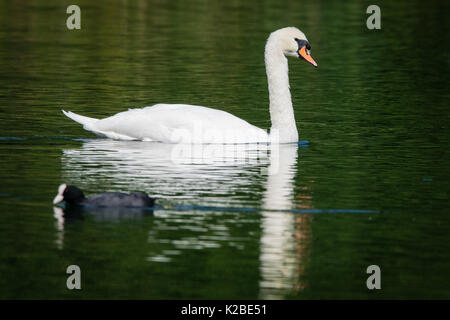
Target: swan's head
<point x="293" y="42"/>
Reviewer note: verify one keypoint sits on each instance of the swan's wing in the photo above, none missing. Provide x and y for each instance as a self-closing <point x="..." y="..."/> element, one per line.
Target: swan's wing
<point x="180" y="123"/>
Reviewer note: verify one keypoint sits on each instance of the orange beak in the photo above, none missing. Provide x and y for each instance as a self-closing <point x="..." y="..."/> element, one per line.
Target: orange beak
<point x="304" y="53"/>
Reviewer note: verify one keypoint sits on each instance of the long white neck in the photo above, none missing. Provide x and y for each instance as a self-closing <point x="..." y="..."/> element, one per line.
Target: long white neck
<point x="281" y="110"/>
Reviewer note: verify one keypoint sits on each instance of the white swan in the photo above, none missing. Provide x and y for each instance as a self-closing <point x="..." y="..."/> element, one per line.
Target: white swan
<point x="175" y="123"/>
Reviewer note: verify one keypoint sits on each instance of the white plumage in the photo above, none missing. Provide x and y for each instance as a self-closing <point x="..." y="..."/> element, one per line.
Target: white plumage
<point x="174" y="123"/>
<point x="182" y="123"/>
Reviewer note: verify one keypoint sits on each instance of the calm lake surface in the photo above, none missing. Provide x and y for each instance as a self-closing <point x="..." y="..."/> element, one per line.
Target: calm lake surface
<point x="370" y="186"/>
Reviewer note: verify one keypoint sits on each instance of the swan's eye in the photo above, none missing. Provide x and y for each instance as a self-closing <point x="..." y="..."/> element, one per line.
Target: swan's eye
<point x="303" y="43"/>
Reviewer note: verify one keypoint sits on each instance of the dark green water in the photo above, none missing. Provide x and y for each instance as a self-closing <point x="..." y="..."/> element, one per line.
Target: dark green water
<point x="370" y="188"/>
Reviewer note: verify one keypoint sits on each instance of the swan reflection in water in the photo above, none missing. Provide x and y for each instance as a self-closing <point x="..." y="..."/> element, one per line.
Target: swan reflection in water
<point x="283" y="243"/>
<point x="218" y="176"/>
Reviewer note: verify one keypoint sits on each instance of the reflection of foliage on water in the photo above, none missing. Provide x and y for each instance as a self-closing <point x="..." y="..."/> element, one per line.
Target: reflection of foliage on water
<point x="376" y="113"/>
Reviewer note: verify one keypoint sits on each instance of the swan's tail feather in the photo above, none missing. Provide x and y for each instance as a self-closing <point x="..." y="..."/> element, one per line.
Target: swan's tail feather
<point x="85" y="121"/>
<point x="89" y="124"/>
